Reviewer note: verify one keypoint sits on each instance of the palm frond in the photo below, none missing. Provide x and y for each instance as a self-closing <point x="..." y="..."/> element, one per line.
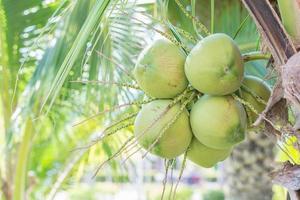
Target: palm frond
<point x="115" y="40"/>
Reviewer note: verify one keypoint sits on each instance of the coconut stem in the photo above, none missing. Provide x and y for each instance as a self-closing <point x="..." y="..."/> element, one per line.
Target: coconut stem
<point x="113" y="156"/>
<point x="255" y="55"/>
<point x="249" y="117"/>
<point x="257" y="97"/>
<point x="167" y="126"/>
<point x="150" y="126"/>
<point x="128" y="157"/>
<point x="169" y="37"/>
<point x="109" y="83"/>
<point x="132" y="145"/>
<point x="106" y="134"/>
<point x="250" y="120"/>
<point x="179" y="30"/>
<point x="172" y="182"/>
<point x="176" y="100"/>
<point x="167" y="166"/>
<point x="193" y="18"/>
<point x="242" y="101"/>
<point x="186" y="34"/>
<point x="137" y="103"/>
<point x="180" y="174"/>
<point x="128" y="117"/>
<point x="109" y="133"/>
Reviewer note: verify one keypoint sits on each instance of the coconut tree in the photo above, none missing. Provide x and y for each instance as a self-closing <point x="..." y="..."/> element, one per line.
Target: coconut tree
<point x="101" y="47"/>
<point x="56" y="76"/>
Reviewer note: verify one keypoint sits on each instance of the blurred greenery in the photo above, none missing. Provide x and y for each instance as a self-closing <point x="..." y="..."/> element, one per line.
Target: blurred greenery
<point x="214" y="195"/>
<point x="182" y="194"/>
<point x="56" y="40"/>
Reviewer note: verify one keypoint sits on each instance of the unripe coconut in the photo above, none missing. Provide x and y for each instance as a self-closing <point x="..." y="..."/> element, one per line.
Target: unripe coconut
<point x="218" y="121"/>
<point x="206" y="156"/>
<point x="160" y="70"/>
<point x="175" y="140"/>
<point x="259" y="88"/>
<point x="215" y="65"/>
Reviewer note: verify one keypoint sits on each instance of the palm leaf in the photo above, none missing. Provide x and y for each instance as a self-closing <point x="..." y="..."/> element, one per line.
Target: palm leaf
<point x="113" y="41"/>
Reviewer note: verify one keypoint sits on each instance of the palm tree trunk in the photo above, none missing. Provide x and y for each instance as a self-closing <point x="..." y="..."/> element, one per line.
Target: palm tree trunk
<point x="246" y="171"/>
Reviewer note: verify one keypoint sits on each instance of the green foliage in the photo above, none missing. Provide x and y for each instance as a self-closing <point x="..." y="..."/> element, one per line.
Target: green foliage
<point x="181" y="194"/>
<point x="24" y="22"/>
<point x="290" y="15"/>
<point x="279" y="192"/>
<point x="46" y="46"/>
<point x="74" y="101"/>
<point x="177" y="17"/>
<point x="288" y="150"/>
<point x="214" y="195"/>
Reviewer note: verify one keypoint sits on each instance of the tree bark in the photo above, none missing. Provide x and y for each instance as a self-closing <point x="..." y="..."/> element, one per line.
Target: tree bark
<point x="246" y="170"/>
<point x="271" y="29"/>
<point x="282" y="49"/>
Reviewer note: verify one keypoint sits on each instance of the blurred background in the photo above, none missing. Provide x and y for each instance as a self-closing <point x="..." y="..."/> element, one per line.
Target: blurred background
<point x="65" y="72"/>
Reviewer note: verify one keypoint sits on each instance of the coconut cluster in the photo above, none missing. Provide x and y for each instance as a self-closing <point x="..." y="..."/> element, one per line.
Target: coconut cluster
<point x="194" y="110"/>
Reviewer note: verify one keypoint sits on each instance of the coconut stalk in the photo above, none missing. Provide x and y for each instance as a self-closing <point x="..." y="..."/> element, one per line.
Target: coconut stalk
<point x="290" y="16"/>
<point x="255" y="56"/>
<point x="282" y="49"/>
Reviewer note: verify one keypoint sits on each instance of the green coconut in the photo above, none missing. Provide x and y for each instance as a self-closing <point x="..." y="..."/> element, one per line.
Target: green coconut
<point x="254" y="87"/>
<point x="175" y="140"/>
<point x="215" y="65"/>
<point x="206" y="156"/>
<point x="159" y="70"/>
<point x="218" y="121"/>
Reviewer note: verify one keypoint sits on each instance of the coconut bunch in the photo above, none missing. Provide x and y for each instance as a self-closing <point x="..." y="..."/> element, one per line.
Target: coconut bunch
<point x="202" y="102"/>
